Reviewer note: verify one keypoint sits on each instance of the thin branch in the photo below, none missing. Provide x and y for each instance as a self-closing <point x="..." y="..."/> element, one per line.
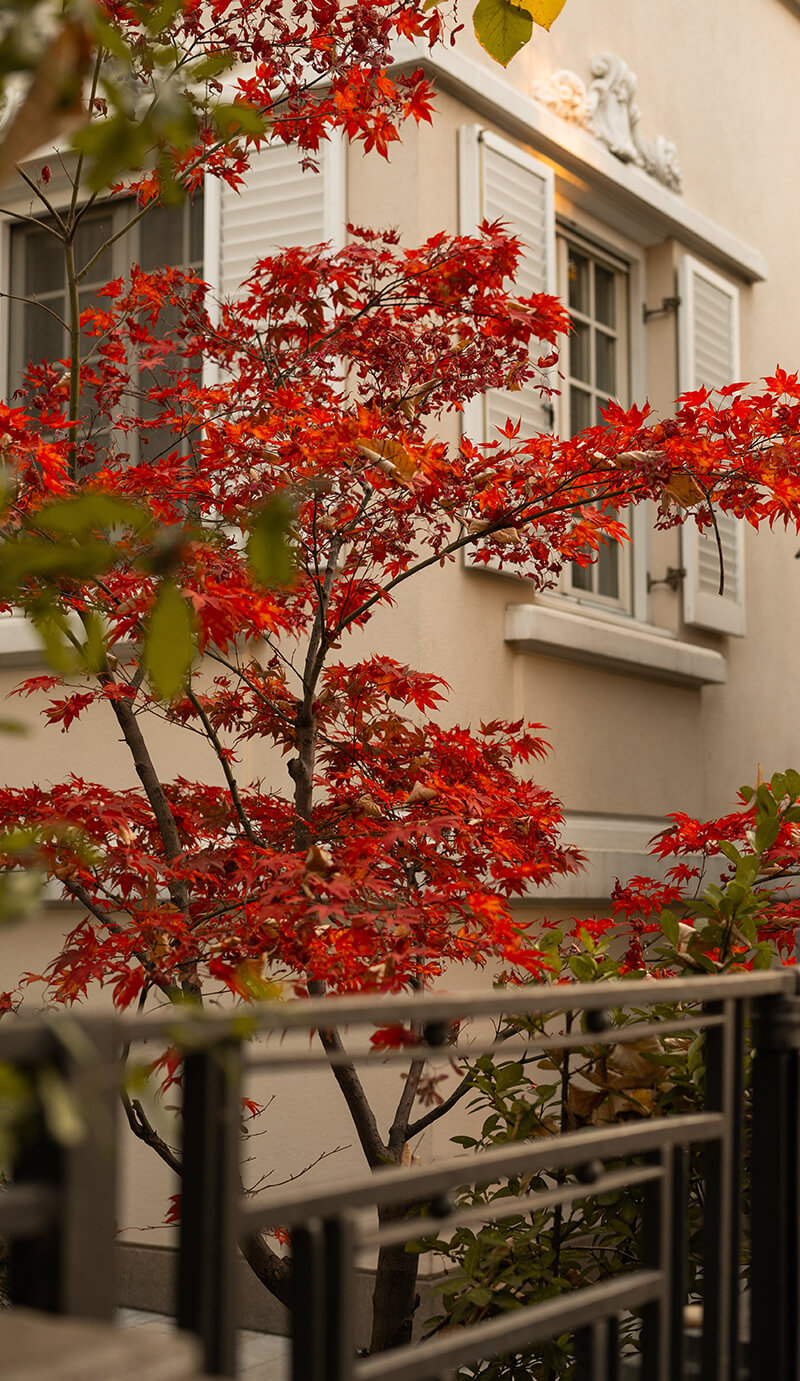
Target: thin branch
<point x="422" y="1123"/>
<point x="37" y="192"/>
<point x="226" y="768"/>
<point x="142" y="1127"/>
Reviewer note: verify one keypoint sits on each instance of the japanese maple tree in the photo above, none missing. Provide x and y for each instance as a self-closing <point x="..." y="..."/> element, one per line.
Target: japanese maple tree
<point x="261" y="508"/>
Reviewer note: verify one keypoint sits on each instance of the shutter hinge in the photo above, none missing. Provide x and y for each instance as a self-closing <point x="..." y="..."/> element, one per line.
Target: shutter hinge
<point x="668" y="304"/>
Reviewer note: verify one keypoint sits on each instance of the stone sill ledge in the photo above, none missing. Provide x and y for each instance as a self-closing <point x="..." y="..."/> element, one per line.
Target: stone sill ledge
<point x="612" y="645"/>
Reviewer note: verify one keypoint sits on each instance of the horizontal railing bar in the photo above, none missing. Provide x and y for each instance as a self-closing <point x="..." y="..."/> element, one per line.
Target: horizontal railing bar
<point x="510" y="1332"/>
<point x="497" y="1209"/>
<point x="24" y="1040"/>
<point x="614" y="1035"/>
<point x="28" y="1209"/>
<point x="396" y="1185"/>
<point x="387" y="1009"/>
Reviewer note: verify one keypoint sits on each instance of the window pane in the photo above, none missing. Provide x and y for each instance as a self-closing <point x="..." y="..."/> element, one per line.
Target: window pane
<point x="578" y="276"/>
<point x="44" y="336"/>
<point x="579" y="352"/>
<point x="605" y="355"/>
<point x="580" y="410"/>
<point x="605" y="295"/>
<point x="161" y="234"/>
<point x="581" y="577"/>
<point x="92" y="233"/>
<point x="608" y="571"/>
<point x="44" y="261"/>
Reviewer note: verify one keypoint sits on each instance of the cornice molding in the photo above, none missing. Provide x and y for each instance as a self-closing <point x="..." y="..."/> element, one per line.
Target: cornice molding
<point x="607" y="108"/>
<point x="623" y="192"/>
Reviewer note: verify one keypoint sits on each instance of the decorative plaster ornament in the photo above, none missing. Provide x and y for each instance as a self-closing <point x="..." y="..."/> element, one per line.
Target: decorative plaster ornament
<point x="608" y="110"/>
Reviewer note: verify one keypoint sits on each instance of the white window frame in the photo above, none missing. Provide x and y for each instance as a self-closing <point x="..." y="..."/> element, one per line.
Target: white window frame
<point x="628" y="558"/>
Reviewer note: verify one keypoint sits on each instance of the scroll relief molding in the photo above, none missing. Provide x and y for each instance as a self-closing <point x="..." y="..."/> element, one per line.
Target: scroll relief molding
<point x="608" y="110"/>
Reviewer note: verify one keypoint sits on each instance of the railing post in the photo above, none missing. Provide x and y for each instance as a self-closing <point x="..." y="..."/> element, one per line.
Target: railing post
<point x="323" y="1306"/>
<point x="70" y="1268"/>
<point x="723" y="1198"/>
<point x="208" y="1258"/>
<point x="775" y="1188"/>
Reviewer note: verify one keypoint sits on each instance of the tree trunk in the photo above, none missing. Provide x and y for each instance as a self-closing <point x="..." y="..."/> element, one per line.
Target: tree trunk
<point x="272" y="1270"/>
<point x="395" y="1299"/>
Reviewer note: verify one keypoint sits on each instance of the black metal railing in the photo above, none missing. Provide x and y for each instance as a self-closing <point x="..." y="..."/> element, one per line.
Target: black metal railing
<point x="57" y="1191"/>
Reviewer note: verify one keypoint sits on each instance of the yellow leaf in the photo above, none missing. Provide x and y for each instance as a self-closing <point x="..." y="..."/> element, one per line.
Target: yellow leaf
<point x="543" y="12"/>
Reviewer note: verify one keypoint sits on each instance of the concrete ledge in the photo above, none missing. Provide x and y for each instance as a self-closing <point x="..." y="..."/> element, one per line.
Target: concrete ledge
<point x="40" y="1347"/>
<point x="146" y="1278"/>
<point x="613" y="645"/>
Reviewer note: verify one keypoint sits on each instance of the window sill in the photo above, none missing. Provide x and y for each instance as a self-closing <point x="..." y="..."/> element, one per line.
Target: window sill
<point x="612" y="645"/>
<point x="20" y="644"/>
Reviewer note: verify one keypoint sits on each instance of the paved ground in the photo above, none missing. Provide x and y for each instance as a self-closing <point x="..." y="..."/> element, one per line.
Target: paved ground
<point x="262" y="1357"/>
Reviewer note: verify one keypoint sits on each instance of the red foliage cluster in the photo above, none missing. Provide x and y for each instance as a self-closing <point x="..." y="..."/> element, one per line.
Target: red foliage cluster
<point x="401" y="841"/>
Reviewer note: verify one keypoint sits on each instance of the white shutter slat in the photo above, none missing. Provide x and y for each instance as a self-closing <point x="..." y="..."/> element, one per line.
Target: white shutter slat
<point x="709" y="358"/>
<point x="501" y="182"/>
<point x="279" y="204"/>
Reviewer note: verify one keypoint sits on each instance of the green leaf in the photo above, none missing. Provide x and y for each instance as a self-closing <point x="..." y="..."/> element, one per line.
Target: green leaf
<point x="94" y="648"/>
<point x="762" y="958"/>
<point x="20" y="892"/>
<point x="50" y="624"/>
<point x="268" y="547"/>
<point x="670" y="927"/>
<point x="583" y="967"/>
<point x="767" y="832"/>
<point x="212" y="65"/>
<point x="238" y="118"/>
<point x="169" y="643"/>
<point x="162" y="16"/>
<point x="61" y="1113"/>
<point x="13" y="726"/>
<point x="729" y="850"/>
<point x="76" y="516"/>
<point x="501" y="28"/>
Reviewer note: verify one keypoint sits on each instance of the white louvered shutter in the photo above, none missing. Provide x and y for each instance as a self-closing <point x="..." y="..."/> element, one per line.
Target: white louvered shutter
<point x="498" y="181"/>
<point x="278" y="205"/>
<point x="709" y="358"/>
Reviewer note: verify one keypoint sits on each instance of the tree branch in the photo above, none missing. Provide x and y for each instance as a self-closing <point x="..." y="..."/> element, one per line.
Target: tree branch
<point x="346" y="1076"/>
<point x="142" y="1127"/>
<point x="399" y="1130"/>
<point x="154" y="791"/>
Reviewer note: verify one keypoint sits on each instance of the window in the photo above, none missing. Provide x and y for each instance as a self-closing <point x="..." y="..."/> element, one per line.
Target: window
<point x="595" y="364"/>
<point x="39" y="295"/>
